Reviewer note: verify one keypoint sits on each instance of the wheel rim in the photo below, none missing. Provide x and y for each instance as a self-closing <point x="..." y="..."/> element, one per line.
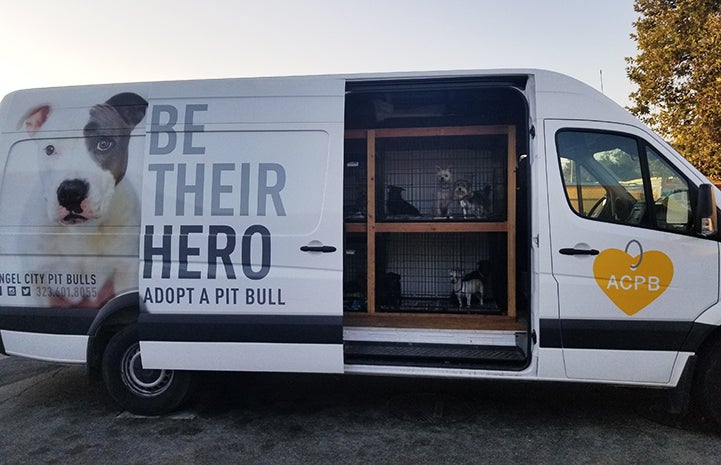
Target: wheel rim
<point x="143" y="382"/>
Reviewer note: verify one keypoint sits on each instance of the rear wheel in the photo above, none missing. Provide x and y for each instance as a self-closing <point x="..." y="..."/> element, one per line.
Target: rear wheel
<point x="141" y="391"/>
<point x="708" y="382"/>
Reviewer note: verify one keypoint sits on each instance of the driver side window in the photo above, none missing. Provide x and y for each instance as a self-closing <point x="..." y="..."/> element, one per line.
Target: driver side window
<point x="617" y="178"/>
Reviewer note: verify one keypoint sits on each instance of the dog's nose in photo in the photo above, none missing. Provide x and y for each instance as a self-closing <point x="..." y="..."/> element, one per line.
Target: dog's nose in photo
<point x="71" y="194"/>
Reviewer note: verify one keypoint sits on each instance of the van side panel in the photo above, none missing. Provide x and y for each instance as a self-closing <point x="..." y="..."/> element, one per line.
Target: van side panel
<point x="249" y="356"/>
<point x="63" y="348"/>
<point x="69" y="182"/>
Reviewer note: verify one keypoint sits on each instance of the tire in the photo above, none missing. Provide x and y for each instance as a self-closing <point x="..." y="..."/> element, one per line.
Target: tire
<point x="141" y="391"/>
<point x="708" y="382"/>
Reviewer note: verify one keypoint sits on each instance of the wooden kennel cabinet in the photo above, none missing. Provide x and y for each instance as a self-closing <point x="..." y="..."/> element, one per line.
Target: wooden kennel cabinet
<point x="390" y="158"/>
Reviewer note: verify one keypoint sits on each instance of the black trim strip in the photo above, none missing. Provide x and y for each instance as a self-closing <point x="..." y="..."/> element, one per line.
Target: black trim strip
<point x="54" y="320"/>
<point x="697" y="336"/>
<point x="437" y="83"/>
<point x="294" y="329"/>
<point x="622" y="334"/>
<point x="550" y="334"/>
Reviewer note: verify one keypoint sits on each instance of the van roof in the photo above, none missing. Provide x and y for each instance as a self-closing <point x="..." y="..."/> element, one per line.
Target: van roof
<point x="550" y="94"/>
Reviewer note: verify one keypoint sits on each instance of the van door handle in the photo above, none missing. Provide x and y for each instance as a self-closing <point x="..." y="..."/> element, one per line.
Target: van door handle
<point x="318" y="248"/>
<point x="578" y="252"/>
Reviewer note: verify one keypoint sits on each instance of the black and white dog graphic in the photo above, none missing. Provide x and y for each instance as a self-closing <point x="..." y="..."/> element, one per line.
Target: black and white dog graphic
<point x="85" y="196"/>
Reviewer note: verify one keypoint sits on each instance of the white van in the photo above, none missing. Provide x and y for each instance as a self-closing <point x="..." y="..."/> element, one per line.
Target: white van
<point x="486" y="224"/>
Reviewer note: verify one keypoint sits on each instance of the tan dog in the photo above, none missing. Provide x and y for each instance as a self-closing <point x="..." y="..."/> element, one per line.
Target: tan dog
<point x="466" y="288"/>
<point x="444" y="191"/>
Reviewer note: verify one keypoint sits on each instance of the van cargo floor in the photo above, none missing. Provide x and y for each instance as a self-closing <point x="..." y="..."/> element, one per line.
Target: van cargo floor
<point x="413" y="354"/>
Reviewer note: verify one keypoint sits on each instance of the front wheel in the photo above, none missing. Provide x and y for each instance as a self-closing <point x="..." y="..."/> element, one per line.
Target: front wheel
<point x="708" y="382"/>
<point x="141" y="391"/>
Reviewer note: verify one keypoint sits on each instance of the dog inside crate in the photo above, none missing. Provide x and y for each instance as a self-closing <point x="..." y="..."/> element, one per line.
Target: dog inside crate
<point x="433" y="178"/>
<point x="413" y="271"/>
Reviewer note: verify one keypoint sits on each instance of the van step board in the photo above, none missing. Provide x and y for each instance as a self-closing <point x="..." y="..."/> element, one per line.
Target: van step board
<point x="387" y="353"/>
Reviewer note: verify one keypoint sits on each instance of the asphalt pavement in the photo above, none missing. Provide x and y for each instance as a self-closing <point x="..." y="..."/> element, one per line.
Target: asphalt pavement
<point x="51" y="414"/>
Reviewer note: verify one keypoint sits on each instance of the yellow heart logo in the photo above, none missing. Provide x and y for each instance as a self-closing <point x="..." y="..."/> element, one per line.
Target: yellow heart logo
<point x="632" y="282"/>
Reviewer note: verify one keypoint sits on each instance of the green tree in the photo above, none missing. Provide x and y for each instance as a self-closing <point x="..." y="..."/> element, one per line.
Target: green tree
<point x="678" y="73"/>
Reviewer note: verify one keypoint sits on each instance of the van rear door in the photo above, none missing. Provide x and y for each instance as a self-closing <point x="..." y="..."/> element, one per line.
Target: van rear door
<point x="241" y="239"/>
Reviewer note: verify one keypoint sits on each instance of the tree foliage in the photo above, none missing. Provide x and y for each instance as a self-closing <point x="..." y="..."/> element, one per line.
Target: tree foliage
<point x="678" y="73"/>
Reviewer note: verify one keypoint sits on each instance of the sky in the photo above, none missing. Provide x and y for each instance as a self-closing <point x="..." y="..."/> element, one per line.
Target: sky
<point x="47" y="43"/>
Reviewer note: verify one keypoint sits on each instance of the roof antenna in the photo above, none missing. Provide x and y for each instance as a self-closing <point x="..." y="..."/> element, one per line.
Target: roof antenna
<point x="600" y="72"/>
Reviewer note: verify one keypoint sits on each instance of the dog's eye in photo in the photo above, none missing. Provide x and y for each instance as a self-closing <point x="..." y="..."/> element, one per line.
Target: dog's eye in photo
<point x="104" y="144"/>
<point x="49" y="150"/>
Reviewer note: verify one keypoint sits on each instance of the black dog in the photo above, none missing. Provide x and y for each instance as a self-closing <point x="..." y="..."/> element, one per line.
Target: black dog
<point x="389" y="290"/>
<point x="395" y="204"/>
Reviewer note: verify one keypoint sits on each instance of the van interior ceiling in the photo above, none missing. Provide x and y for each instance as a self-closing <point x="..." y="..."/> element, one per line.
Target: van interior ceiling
<point x="437" y="222"/>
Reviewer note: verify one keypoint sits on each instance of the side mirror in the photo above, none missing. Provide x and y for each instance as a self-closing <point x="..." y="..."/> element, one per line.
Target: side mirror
<point x="706" y="221"/>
